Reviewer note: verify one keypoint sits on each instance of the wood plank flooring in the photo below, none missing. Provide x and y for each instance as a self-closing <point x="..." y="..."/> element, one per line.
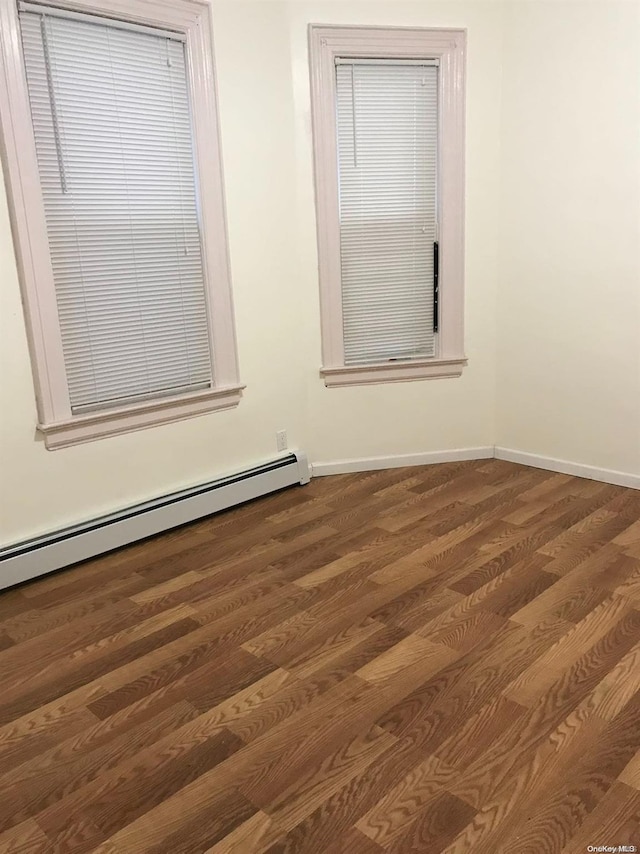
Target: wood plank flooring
<point x="435" y="659"/>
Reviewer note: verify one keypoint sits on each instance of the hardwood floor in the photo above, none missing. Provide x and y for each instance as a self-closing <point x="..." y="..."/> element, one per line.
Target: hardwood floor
<point x="436" y="659"/>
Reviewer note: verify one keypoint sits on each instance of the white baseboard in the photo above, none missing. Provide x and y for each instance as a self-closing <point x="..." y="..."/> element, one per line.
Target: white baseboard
<point x="400" y="460"/>
<point x="618" y="478"/>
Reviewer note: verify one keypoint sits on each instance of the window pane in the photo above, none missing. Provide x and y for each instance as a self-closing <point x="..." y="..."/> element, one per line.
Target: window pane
<point x="113" y="135"/>
<point x="387" y="153"/>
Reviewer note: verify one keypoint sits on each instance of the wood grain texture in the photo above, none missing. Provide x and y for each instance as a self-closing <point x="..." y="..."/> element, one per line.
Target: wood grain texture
<point x="432" y="659"/>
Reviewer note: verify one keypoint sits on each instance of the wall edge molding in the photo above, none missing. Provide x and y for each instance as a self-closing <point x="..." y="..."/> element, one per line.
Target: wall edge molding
<point x="483" y="452"/>
<point x="617" y="478"/>
<point x="348" y="466"/>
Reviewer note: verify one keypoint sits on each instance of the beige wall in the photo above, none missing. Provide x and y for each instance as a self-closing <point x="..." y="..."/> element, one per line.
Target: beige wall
<point x="411" y="417"/>
<point x="569" y="297"/>
<point x="264" y="111"/>
<point x="45" y="489"/>
<point x="265" y="119"/>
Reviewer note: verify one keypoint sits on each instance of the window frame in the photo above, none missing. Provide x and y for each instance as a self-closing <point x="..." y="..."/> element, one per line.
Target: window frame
<point x="55" y="419"/>
<point x="326" y="43"/>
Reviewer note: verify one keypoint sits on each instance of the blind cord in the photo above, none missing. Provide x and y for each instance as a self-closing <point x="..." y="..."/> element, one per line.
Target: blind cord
<point x="354" y="118"/>
<point x="52" y="99"/>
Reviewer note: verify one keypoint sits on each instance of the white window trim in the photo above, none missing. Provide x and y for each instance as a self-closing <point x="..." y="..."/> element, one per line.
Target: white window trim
<point x="55" y="420"/>
<point x="325" y="44"/>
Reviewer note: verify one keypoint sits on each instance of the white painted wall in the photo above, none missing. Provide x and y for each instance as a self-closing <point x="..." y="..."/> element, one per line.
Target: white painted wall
<point x="569" y="296"/>
<point x="266" y="135"/>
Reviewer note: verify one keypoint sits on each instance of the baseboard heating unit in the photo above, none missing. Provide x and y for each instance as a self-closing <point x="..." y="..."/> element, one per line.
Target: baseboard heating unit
<point x="62" y="548"/>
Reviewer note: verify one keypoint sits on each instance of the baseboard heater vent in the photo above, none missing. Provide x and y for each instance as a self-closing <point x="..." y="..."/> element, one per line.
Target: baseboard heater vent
<point x="62" y="548"/>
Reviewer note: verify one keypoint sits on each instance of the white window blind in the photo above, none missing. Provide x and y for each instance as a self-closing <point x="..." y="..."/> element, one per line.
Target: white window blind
<point x="387" y="118"/>
<point x="110" y="111"/>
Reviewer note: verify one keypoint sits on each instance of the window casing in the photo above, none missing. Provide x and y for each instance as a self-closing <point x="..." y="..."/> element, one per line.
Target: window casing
<point x="380" y="97"/>
<point x="77" y="400"/>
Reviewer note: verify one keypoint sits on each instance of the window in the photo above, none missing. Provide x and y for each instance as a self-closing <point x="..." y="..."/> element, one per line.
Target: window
<point x="119" y="224"/>
<point x="388" y="126"/>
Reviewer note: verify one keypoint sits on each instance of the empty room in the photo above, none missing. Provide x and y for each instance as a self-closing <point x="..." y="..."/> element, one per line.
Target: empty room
<point x="320" y="426"/>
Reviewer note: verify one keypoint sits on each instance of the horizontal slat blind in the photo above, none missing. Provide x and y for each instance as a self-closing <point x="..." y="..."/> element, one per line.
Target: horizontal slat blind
<point x="387" y="117"/>
<point x="113" y="136"/>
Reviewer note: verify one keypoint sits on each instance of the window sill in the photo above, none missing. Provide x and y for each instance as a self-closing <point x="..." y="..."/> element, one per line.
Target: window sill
<point x="390" y="372"/>
<point x="101" y="425"/>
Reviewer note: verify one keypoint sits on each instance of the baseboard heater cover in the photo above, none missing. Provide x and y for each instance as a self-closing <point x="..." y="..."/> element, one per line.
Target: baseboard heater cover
<point x="62" y="548"/>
